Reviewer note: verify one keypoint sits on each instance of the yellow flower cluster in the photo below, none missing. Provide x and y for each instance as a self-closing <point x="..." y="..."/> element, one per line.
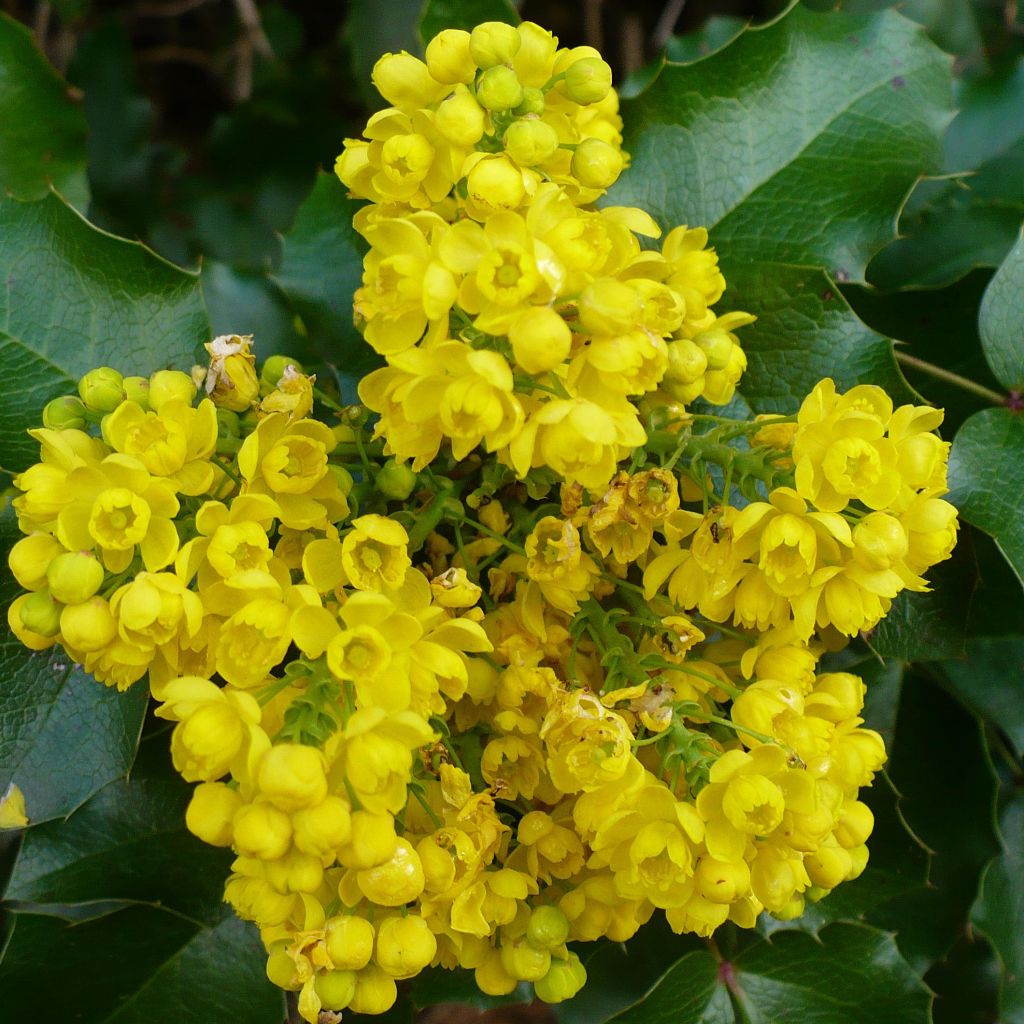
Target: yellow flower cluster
<point x="476" y="711"/>
<point x="863" y="521"/>
<point x="511" y="312"/>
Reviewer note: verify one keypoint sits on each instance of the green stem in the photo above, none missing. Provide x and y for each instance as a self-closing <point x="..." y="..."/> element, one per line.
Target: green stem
<point x="494" y="535"/>
<point x="951" y="378"/>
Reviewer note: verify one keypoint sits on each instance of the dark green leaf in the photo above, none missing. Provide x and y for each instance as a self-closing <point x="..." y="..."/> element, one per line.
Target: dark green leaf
<point x="796" y="143"/>
<point x="718" y="31"/>
<point x="931" y="626"/>
<point x="996" y="607"/>
<point x="804" y="331"/>
<point x="464" y="14"/>
<point x="140" y="965"/>
<point x="986" y="475"/>
<point x="321" y="270"/>
<point x="63" y="736"/>
<point x="940" y="767"/>
<point x="973" y="218"/>
<point x="849" y="973"/>
<point x="76" y="298"/>
<point x="966" y="984"/>
<point x="999" y="911"/>
<point x="373" y="29"/>
<point x="436" y="985"/>
<point x="129" y="842"/>
<point x="1002" y="320"/>
<point x="42" y="130"/>
<point x="939" y="326"/>
<point x="991" y="683"/>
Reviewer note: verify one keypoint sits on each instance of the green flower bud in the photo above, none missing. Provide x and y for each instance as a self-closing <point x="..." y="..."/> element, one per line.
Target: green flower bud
<point x="530" y="141"/>
<point x="493" y="43"/>
<point x="524" y="961"/>
<point x="273" y="370"/>
<point x="102" y="389"/>
<point x="548" y="928"/>
<point x="564" y="979"/>
<point x="64" y="413"/>
<point x="395" y="480"/>
<point x="41" y="614"/>
<point x="74" y="576"/>
<point x="595" y="164"/>
<point x="588" y="81"/>
<point x="136" y="389"/>
<point x="165" y="385"/>
<point x="343" y="476"/>
<point x="532" y="102"/>
<point x="335" y="988"/>
<point x="499" y="89"/>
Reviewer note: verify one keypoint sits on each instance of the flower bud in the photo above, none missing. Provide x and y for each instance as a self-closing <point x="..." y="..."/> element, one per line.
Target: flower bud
<point x="375" y="992"/>
<point x="608" y="306"/>
<point x="136" y="389"/>
<point x="879" y="541"/>
<point x="499" y="89"/>
<point x="292" y="776"/>
<point x="89" y="626"/>
<point x="349" y="942"/>
<point x="491" y="977"/>
<point x="532" y="101"/>
<point x="717" y="346"/>
<point x="74" y="576"/>
<point x="588" y="81"/>
<point x="373" y="840"/>
<point x="396" y="881"/>
<point x="228" y="423"/>
<point x="30" y="558"/>
<point x="168" y="385"/>
<point x="211" y="811"/>
<point x="548" y="928"/>
<point x="596" y="164"/>
<point x="493" y="43"/>
<point x="395" y="480"/>
<point x="405" y="945"/>
<point x="274" y="367"/>
<point x="564" y="979"/>
<point x="530" y="141"/>
<point x="41" y="614"/>
<point x="448" y="57"/>
<point x="540" y="339"/>
<point x="524" y="961"/>
<point x="496" y="183"/>
<point x="855" y="824"/>
<point x="261" y="830"/>
<point x="322" y="829"/>
<point x="722" y="881"/>
<point x="404" y="81"/>
<point x="460" y="119"/>
<point x="335" y="988"/>
<point x="295" y="872"/>
<point x="828" y="866"/>
<point x="281" y="969"/>
<point x="65" y="413"/>
<point x="102" y="389"/>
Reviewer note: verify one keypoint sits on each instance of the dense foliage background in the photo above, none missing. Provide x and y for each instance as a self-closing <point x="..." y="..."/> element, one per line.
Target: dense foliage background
<point x="862" y="170"/>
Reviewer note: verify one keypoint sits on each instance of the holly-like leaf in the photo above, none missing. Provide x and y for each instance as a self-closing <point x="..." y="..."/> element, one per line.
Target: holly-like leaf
<point x="991" y="683"/>
<point x="321" y="269"/>
<point x="464" y="14"/>
<point x="1001" y="322"/>
<point x="971" y="217"/>
<point x="999" y="911"/>
<point x="986" y="474"/>
<point x="768" y="140"/>
<point x="804" y="331"/>
<point x="931" y="625"/>
<point x="849" y="973"/>
<point x="716" y="32"/>
<point x="75" y="298"/>
<point x="42" y="129"/>
<point x="140" y="965"/>
<point x="128" y="843"/>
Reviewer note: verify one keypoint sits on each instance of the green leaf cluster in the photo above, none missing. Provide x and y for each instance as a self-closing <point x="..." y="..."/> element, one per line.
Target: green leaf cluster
<point x="860" y="194"/>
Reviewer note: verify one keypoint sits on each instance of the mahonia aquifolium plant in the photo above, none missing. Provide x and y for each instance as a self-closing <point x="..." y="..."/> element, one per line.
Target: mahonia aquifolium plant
<point x="520" y="651"/>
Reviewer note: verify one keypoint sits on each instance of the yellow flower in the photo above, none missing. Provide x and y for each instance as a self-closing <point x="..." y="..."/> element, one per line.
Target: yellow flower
<point x="287" y="461"/>
<point x="587" y="745"/>
<point x="176" y="442"/>
<point x="293" y="395"/>
<point x="253" y="641"/>
<point x="373" y="553"/>
<point x="12" y="809"/>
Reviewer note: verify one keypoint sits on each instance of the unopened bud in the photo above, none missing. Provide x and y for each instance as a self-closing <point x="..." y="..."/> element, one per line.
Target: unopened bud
<point x="588" y="81"/>
<point x="136" y="389"/>
<point x="532" y="101"/>
<point x="596" y="164"/>
<point x="395" y="480"/>
<point x="74" y="576"/>
<point x="499" y="89"/>
<point x="274" y="368"/>
<point x="496" y="183"/>
<point x="530" y="141"/>
<point x="102" y="389"/>
<point x="404" y="81"/>
<point x="448" y="57"/>
<point x="493" y="43"/>
<point x="168" y="385"/>
<point x="460" y="119"/>
<point x="65" y="413"/>
<point x="540" y="339"/>
<point x="41" y="614"/>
